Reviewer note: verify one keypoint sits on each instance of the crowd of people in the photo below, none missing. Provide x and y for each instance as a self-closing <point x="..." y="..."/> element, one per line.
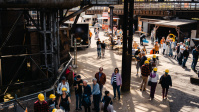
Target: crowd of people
<point x="83" y="92"/>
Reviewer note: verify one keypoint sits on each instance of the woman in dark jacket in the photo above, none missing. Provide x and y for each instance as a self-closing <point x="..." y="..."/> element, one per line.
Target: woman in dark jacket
<point x="165" y="82"/>
<point x="185" y="55"/>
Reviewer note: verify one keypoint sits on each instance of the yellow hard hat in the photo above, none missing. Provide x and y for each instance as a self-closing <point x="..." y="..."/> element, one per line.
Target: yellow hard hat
<point x="54" y="110"/>
<point x="64" y="89"/>
<point x="167" y="70"/>
<point x="52" y="96"/>
<point x="146" y="62"/>
<point x="148" y="59"/>
<point x="154" y="56"/>
<point x="155" y="69"/>
<point x="41" y="97"/>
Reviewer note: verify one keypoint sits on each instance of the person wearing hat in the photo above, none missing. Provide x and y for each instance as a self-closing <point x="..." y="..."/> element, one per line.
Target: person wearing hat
<point x="62" y="84"/>
<point x="101" y="79"/>
<point x="64" y="101"/>
<point x="52" y="102"/>
<point x="150" y="64"/>
<point x="54" y="110"/>
<point x="41" y="105"/>
<point x="78" y="92"/>
<point x="143" y="59"/>
<point x="145" y="71"/>
<point x="154" y="61"/>
<point x="96" y="95"/>
<point x="153" y="78"/>
<point x="165" y="82"/>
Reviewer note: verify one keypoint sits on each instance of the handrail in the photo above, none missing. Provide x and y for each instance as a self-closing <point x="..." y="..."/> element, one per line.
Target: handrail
<point x="44" y="91"/>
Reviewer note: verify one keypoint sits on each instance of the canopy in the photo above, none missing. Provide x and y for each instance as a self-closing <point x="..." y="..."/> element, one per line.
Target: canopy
<point x="107" y="18"/>
<point x="173" y="23"/>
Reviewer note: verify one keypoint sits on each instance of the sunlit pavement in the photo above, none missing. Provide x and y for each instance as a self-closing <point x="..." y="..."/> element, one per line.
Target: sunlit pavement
<point x="135" y="100"/>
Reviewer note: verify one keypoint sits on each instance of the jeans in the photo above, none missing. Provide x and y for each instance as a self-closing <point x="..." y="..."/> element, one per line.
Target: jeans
<point x="153" y="87"/>
<point x="194" y="63"/>
<point x="78" y="100"/>
<point x="180" y="59"/>
<point x="96" y="100"/>
<point x="101" y="89"/>
<point x="163" y="51"/>
<point x="171" y="52"/>
<point x="184" y="61"/>
<point x="99" y="52"/>
<point x="115" y="86"/>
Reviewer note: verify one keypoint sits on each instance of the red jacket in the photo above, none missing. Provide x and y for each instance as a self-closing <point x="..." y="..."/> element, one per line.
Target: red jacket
<point x="102" y="79"/>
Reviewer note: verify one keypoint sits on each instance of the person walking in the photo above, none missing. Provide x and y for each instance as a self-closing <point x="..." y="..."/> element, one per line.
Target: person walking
<point x="145" y="71"/>
<point x="62" y="84"/>
<point x="177" y="49"/>
<point x="161" y="42"/>
<point x="141" y="38"/>
<point x="143" y="59"/>
<point x="78" y="92"/>
<point x="156" y="46"/>
<point x="185" y="55"/>
<point x="41" y="105"/>
<point x="164" y="47"/>
<point x="138" y="59"/>
<point x="165" y="82"/>
<point x="154" y="61"/>
<point x="154" y="77"/>
<point x="116" y="81"/>
<point x="64" y="101"/>
<point x="99" y="46"/>
<point x="96" y="95"/>
<point x="86" y="102"/>
<point x="195" y="58"/>
<point x="182" y="48"/>
<point x="171" y="46"/>
<point x="70" y="75"/>
<point x="52" y="102"/>
<point x="101" y="79"/>
<point x="103" y="49"/>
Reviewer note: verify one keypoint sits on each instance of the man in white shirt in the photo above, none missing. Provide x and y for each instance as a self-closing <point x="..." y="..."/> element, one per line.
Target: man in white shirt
<point x="62" y="84"/>
<point x="182" y="48"/>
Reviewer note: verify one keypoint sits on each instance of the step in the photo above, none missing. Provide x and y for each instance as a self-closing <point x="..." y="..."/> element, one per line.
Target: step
<point x="194" y="80"/>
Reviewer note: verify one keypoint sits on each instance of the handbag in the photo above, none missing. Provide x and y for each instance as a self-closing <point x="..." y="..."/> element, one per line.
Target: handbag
<point x="149" y="83"/>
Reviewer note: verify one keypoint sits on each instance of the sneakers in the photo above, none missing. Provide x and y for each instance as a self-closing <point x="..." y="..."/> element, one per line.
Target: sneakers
<point x="114" y="98"/>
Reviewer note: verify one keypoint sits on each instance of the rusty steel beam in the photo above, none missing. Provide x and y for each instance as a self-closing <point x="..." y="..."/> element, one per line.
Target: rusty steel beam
<point x="75" y="14"/>
<point x="66" y="4"/>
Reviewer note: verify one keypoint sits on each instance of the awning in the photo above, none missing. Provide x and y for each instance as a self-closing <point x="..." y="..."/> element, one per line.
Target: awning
<point x="106" y="18"/>
<point x="88" y="16"/>
<point x="173" y="23"/>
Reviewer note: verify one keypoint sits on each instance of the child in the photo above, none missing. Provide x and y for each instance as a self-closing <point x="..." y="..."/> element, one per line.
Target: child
<point x="107" y="94"/>
<point x="52" y="102"/>
<point x="164" y="47"/>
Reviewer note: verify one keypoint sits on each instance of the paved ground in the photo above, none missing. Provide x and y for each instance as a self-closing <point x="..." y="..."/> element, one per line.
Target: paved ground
<point x="135" y="100"/>
<point x="183" y="96"/>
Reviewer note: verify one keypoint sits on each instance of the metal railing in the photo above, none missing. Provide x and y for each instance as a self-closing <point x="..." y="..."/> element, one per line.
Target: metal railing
<point x="33" y="96"/>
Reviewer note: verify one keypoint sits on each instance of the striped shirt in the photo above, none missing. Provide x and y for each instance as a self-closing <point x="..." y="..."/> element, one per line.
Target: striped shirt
<point x="115" y="78"/>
